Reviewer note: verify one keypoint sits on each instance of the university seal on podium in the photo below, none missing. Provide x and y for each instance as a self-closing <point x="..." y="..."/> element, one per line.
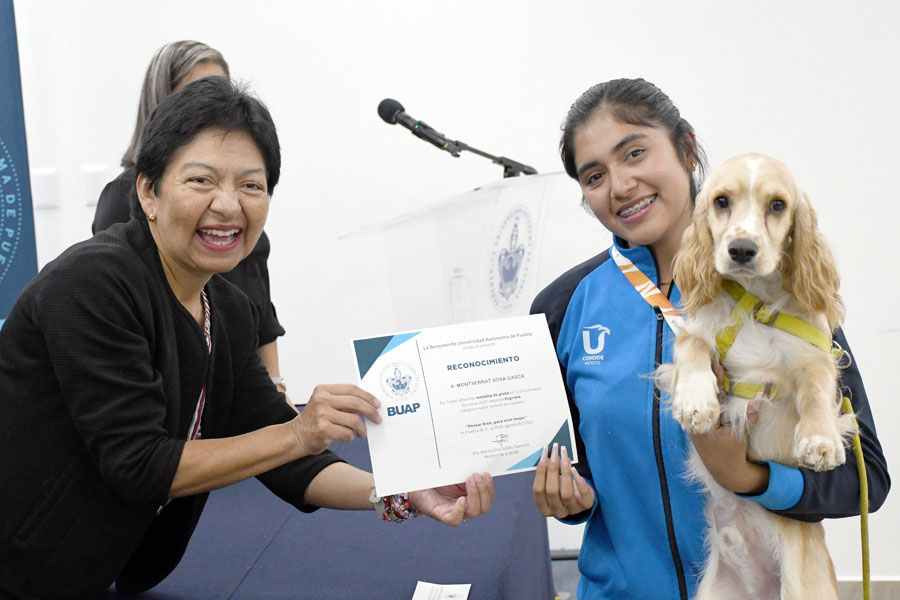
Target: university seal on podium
<point x="510" y="258"/>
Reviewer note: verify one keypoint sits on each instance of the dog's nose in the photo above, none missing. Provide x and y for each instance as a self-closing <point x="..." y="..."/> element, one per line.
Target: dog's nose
<point x="742" y="251"/>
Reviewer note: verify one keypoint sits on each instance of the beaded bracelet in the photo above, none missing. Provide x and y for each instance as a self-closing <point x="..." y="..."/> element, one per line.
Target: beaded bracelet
<point x="395" y="509"/>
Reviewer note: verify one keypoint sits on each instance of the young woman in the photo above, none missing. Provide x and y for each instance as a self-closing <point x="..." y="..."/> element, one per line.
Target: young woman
<point x="639" y="167"/>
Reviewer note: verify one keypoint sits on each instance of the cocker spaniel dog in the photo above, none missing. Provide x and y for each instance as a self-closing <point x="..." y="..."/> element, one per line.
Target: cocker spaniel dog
<point x="760" y="293"/>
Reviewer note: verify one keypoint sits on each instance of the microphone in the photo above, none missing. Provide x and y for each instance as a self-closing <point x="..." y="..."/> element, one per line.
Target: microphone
<point x="392" y="112"/>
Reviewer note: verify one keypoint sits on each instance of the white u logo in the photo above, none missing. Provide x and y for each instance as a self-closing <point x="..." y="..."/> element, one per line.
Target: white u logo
<point x="589" y="347"/>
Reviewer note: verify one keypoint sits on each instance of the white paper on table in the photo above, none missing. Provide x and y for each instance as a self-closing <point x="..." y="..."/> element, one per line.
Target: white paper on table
<point x="464" y="398"/>
<point x="435" y="591"/>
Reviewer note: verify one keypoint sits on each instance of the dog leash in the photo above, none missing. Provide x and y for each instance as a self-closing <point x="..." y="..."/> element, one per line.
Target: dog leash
<point x="863" y="498"/>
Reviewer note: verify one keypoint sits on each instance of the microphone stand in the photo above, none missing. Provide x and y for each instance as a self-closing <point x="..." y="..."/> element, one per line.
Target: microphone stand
<point x="511" y="168"/>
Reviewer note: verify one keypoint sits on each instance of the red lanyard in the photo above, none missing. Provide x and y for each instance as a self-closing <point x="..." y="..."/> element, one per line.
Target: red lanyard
<point x="194" y="431"/>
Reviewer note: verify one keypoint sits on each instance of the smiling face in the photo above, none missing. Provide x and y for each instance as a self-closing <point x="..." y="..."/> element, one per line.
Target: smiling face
<point x="750" y="201"/>
<point x="634" y="182"/>
<point x="210" y="206"/>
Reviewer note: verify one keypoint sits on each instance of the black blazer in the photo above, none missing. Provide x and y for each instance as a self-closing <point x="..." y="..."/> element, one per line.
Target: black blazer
<point x="100" y="369"/>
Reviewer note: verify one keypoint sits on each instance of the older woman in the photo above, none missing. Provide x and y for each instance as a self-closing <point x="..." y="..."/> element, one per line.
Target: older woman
<point x="132" y="385"/>
<point x="174" y="66"/>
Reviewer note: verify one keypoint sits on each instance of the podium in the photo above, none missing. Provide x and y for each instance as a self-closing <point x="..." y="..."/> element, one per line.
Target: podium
<point x="483" y="254"/>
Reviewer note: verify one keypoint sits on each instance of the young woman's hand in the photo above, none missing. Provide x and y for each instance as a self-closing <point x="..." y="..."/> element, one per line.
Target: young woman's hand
<point x="724" y="452"/>
<point x="559" y="490"/>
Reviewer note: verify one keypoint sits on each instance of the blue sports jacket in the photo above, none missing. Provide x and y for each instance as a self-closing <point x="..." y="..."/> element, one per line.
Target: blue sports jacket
<point x="644" y="534"/>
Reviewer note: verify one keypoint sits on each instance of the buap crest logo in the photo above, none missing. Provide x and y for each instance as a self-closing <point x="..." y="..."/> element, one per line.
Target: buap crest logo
<point x="399" y="380"/>
<point x="593" y="338"/>
<point x="510" y="258"/>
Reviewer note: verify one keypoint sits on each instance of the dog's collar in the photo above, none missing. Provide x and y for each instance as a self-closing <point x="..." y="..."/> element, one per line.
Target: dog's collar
<point x="749" y="304"/>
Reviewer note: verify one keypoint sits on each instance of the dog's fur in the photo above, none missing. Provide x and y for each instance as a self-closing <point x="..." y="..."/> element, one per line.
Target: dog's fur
<point x="754" y="553"/>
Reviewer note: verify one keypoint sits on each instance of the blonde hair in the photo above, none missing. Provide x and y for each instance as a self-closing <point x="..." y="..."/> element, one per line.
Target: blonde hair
<point x="169" y="66"/>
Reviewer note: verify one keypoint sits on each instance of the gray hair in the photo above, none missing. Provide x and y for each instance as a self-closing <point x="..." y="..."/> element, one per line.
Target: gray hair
<point x="169" y="66"/>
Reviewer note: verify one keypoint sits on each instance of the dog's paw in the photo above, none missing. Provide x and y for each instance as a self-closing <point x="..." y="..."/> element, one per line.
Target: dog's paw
<point x="820" y="452"/>
<point x="695" y="403"/>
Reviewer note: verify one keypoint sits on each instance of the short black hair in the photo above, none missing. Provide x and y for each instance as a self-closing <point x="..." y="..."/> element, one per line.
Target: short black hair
<point x="208" y="102"/>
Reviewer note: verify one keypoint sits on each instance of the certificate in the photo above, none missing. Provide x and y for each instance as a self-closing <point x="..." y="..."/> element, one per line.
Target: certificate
<point x="466" y="398"/>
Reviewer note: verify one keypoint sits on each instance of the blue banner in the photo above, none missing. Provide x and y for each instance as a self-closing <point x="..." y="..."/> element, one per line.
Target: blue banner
<point x="18" y="258"/>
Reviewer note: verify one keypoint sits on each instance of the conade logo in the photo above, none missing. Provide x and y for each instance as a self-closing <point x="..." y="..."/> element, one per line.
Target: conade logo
<point x="594" y="339"/>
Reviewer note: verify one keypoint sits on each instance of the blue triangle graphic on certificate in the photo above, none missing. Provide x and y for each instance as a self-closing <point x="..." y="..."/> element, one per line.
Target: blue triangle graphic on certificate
<point x="399" y="339"/>
<point x="527" y="462"/>
<point x="562" y="438"/>
<point x="370" y="349"/>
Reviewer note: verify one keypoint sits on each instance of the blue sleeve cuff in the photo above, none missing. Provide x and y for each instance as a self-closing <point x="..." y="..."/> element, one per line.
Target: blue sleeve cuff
<point x="785" y="488"/>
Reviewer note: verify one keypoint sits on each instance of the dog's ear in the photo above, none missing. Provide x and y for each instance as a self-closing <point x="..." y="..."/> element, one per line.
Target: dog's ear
<point x="810" y="274"/>
<point x="695" y="268"/>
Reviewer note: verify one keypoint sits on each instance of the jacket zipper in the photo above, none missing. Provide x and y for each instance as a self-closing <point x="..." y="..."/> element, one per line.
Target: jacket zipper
<point x="661" y="468"/>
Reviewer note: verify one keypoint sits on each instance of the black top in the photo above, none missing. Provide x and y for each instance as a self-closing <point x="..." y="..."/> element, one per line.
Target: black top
<point x="100" y="370"/>
<point x="251" y="275"/>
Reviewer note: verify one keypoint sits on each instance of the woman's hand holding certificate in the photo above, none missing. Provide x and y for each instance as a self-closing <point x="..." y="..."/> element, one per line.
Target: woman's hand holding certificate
<point x="460" y="399"/>
<point x="560" y="490"/>
<point x="334" y="412"/>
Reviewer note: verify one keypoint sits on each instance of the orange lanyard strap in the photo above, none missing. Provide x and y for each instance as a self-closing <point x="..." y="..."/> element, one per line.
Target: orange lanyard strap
<point x="648" y="291"/>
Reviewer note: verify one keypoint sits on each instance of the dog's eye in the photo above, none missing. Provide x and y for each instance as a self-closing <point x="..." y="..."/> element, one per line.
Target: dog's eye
<point x="777" y="205"/>
<point x="721" y="202"/>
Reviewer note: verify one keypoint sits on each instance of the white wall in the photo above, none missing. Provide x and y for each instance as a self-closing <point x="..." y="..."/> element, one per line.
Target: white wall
<point x="813" y="82"/>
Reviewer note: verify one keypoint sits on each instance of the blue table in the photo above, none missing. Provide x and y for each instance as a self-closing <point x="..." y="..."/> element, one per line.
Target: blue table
<point x="251" y="545"/>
